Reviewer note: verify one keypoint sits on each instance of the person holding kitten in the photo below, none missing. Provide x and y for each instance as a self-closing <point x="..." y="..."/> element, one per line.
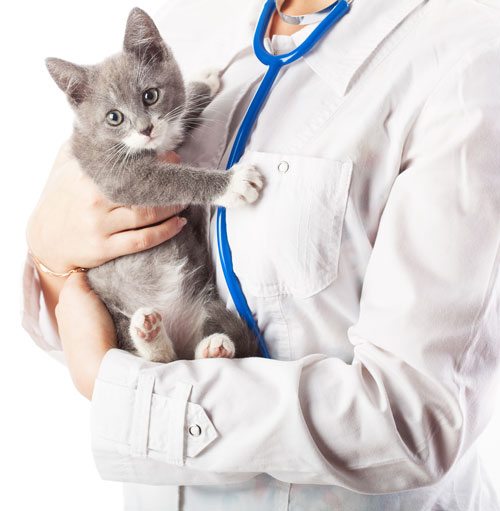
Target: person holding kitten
<point x="370" y="260"/>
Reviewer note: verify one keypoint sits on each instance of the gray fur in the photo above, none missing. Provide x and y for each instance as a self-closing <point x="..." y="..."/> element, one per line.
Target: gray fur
<point x="175" y="278"/>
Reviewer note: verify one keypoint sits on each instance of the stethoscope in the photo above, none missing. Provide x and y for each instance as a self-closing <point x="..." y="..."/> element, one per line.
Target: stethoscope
<point x="274" y="63"/>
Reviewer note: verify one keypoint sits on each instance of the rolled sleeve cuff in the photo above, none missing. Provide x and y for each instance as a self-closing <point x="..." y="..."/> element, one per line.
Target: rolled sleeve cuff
<point x="132" y="424"/>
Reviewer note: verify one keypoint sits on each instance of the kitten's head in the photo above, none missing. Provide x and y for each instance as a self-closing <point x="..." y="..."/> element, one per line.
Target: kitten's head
<point x="135" y="98"/>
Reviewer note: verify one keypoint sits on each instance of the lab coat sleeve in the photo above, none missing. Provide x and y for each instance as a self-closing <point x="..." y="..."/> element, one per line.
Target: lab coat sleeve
<point x="416" y="394"/>
<point x="35" y="316"/>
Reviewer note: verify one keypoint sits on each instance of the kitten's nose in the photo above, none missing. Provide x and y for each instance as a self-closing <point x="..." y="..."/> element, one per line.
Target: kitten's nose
<point x="147" y="131"/>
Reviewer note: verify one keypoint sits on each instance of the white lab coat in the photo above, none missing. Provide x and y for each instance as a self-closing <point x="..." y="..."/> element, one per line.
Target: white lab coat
<point x="371" y="265"/>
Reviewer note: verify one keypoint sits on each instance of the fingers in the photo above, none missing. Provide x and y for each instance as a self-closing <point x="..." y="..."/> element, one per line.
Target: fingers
<point x="94" y="229"/>
<point x="133" y="217"/>
<point x="132" y="241"/>
<point x="170" y="157"/>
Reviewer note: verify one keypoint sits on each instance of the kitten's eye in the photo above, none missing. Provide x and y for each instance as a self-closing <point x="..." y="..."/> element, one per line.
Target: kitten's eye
<point x="114" y="117"/>
<point x="150" y="97"/>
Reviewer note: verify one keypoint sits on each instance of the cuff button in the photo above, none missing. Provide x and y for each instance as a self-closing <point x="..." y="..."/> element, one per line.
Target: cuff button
<point x="283" y="166"/>
<point x="194" y="430"/>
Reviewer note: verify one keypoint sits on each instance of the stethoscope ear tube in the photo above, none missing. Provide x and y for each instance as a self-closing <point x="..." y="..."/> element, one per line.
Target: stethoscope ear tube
<point x="274" y="63"/>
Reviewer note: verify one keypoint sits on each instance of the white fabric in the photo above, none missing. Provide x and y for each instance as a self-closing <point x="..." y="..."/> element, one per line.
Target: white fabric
<point x="371" y="265"/>
<point x="35" y="317"/>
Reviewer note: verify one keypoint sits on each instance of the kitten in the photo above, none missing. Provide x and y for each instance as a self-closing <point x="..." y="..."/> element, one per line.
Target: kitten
<point x="129" y="109"/>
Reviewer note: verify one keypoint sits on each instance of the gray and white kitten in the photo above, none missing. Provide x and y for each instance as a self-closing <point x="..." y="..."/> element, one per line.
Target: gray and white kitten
<point x="129" y="109"/>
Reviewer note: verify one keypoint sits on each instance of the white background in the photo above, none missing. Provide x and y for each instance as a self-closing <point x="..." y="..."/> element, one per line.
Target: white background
<point x="44" y="431"/>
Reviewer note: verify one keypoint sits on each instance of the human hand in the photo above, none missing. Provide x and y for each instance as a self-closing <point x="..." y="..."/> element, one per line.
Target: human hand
<point x="74" y="226"/>
<point x="86" y="329"/>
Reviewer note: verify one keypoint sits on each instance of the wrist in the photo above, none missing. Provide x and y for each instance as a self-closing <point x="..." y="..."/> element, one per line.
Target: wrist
<point x="46" y="270"/>
<point x="41" y="254"/>
<point x="45" y="260"/>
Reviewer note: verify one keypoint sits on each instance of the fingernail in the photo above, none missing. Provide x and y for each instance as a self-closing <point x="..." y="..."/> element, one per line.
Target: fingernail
<point x="181" y="222"/>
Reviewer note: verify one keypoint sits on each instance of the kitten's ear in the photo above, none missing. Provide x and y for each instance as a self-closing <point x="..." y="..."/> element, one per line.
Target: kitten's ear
<point x="143" y="39"/>
<point x="71" y="79"/>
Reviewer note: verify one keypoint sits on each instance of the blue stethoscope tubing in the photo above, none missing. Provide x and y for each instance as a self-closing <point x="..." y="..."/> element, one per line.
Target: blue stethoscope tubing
<point x="274" y="63"/>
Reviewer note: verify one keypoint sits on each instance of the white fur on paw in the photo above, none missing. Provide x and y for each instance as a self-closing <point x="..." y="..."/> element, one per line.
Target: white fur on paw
<point x="150" y="337"/>
<point x="244" y="187"/>
<point x="145" y="325"/>
<point x="215" y="346"/>
<point x="210" y="77"/>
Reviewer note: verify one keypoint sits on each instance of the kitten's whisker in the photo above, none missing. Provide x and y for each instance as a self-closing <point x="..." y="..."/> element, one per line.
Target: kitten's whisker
<point x="113" y="148"/>
<point x="203" y="120"/>
<point x="111" y="153"/>
<point x="203" y="97"/>
<point x="114" y="157"/>
<point x="178" y="108"/>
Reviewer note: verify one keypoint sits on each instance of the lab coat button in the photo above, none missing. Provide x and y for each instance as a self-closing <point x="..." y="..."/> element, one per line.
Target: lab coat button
<point x="283" y="166"/>
<point x="195" y="430"/>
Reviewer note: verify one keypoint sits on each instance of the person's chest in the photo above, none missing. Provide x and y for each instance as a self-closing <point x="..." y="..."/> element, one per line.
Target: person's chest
<point x="329" y="156"/>
<point x="300" y="252"/>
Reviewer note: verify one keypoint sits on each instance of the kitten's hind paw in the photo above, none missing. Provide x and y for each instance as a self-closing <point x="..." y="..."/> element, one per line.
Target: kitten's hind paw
<point x="244" y="186"/>
<point x="215" y="346"/>
<point x="145" y="325"/>
<point x="150" y="337"/>
<point x="210" y="77"/>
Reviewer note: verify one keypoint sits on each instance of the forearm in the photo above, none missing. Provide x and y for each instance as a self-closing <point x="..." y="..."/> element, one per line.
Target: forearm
<point x="312" y="421"/>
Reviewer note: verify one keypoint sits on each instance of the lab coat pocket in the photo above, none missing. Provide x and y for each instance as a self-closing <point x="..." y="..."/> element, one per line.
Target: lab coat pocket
<point x="288" y="241"/>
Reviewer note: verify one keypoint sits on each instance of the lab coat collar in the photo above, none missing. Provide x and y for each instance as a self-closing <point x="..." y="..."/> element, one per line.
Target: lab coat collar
<point x="352" y="41"/>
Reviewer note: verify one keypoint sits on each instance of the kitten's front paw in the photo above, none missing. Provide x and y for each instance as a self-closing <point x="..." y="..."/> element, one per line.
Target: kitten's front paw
<point x="244" y="187"/>
<point x="150" y="337"/>
<point x="210" y="77"/>
<point x="215" y="346"/>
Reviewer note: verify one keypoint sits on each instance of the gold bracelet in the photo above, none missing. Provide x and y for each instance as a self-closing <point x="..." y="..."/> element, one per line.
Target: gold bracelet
<point x="53" y="273"/>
